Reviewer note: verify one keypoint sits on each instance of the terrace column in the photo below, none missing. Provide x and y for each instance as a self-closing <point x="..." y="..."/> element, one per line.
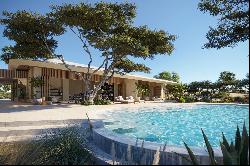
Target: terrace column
<point x="65" y="85"/>
<point x="130" y="87"/>
<point x="37" y="72"/>
<point x="162" y="91"/>
<point x="29" y="90"/>
<point x="115" y="90"/>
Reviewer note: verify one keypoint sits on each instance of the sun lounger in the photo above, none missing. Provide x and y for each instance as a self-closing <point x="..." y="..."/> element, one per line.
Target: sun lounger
<point x="119" y="99"/>
<point x="128" y="100"/>
<point x="139" y="100"/>
<point x="157" y="99"/>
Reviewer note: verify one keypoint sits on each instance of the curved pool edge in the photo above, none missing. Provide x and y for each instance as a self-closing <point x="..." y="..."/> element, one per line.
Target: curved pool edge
<point x="105" y="139"/>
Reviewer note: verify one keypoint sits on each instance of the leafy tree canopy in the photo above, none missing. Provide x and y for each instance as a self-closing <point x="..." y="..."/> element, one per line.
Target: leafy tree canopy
<point x="108" y="28"/>
<point x="166" y="75"/>
<point x="175" y="77"/>
<point x="227" y="78"/>
<point x="30" y="31"/>
<point x="233" y="22"/>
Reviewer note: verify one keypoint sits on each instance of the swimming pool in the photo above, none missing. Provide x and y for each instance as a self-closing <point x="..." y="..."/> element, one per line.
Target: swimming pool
<point x="173" y="125"/>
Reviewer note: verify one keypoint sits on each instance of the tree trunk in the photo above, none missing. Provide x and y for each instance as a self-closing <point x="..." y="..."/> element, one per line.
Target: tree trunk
<point x="90" y="93"/>
<point x="88" y="97"/>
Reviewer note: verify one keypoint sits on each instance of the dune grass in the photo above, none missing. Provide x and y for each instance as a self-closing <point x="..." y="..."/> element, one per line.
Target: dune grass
<point x="61" y="147"/>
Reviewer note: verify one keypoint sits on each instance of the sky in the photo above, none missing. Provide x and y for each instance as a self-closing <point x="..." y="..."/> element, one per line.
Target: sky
<point x="178" y="17"/>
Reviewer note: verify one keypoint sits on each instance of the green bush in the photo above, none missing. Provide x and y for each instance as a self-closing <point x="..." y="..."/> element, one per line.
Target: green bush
<point x="5" y="95"/>
<point x="102" y="102"/>
<point x="189" y="99"/>
<point x="85" y="102"/>
<point x="221" y="95"/>
<point x="206" y="99"/>
<point x="228" y="100"/>
<point x="97" y="102"/>
<point x="182" y="100"/>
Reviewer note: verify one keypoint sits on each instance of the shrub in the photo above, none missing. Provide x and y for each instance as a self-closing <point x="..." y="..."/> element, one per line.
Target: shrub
<point x="5" y="95"/>
<point x="228" y="100"/>
<point x="189" y="99"/>
<point x="221" y="95"/>
<point x="102" y="102"/>
<point x="206" y="99"/>
<point x="85" y="102"/>
<point x="97" y="102"/>
<point x="182" y="100"/>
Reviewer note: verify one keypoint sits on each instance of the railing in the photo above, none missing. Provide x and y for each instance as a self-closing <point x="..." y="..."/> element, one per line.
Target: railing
<point x="4" y="73"/>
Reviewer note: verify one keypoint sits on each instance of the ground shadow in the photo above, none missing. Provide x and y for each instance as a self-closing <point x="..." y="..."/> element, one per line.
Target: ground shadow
<point x="53" y="123"/>
<point x="9" y="106"/>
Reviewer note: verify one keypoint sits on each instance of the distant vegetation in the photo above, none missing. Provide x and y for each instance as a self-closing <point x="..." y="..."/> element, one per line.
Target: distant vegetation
<point x="207" y="91"/>
<point x="165" y="75"/>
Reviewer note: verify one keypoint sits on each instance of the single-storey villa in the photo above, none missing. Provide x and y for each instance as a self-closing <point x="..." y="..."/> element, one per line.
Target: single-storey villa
<point x="61" y="83"/>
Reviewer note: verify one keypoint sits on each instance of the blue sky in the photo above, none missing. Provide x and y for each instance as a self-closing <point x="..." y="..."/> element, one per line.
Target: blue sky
<point x="179" y="17"/>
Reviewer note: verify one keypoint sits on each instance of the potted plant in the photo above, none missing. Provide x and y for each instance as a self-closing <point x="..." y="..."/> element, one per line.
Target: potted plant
<point x="143" y="90"/>
<point x="36" y="82"/>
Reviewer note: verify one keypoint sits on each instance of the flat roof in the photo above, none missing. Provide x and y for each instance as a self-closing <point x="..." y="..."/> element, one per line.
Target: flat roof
<point x="77" y="67"/>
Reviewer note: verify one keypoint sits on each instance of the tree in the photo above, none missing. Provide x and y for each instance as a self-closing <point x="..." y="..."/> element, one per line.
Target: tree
<point x="227" y="77"/>
<point x="176" y="90"/>
<point x="226" y="80"/>
<point x="243" y="85"/>
<point x="175" y="77"/>
<point x="201" y="89"/>
<point x="106" y="27"/>
<point x="194" y="87"/>
<point x="142" y="89"/>
<point x="233" y="22"/>
<point x="32" y="33"/>
<point x="166" y="75"/>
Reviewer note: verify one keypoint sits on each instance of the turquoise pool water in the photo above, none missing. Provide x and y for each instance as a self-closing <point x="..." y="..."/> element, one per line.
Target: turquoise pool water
<point x="177" y="124"/>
